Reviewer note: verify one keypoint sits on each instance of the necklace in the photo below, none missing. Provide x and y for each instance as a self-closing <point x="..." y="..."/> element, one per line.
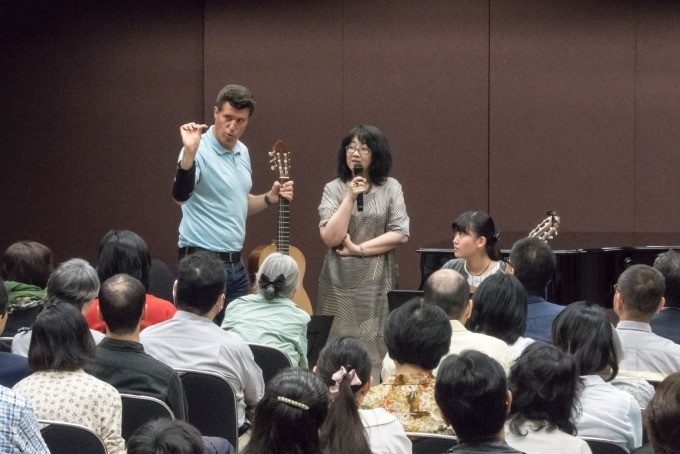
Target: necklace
<point x="483" y="271"/>
<point x="476" y="279"/>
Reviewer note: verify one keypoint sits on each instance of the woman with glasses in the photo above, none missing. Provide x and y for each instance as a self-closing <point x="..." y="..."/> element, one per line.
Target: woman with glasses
<point x="363" y="219"/>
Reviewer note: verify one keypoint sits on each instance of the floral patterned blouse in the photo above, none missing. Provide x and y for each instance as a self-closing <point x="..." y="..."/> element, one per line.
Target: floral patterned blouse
<point x="409" y="397"/>
<point x="78" y="398"/>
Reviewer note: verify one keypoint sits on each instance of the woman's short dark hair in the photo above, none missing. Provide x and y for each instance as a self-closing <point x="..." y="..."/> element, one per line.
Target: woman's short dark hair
<point x="343" y="430"/>
<point x="544" y="383"/>
<point x="662" y="415"/>
<point x="584" y="331"/>
<point x="27" y="262"/>
<point x="61" y="339"/>
<point x="290" y="414"/>
<point x="499" y="308"/>
<point x="418" y="333"/>
<point x="123" y="251"/>
<point x="381" y="156"/>
<point x="165" y="436"/>
<point x="480" y="224"/>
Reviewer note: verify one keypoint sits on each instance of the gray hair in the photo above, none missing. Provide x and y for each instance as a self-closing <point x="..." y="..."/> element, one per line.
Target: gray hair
<point x="74" y="281"/>
<point x="274" y="265"/>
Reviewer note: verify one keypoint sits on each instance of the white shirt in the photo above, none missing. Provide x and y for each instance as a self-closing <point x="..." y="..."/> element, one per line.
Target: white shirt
<point x="385" y="433"/>
<point x="544" y="441"/>
<point x="646" y="355"/>
<point x="520" y="344"/>
<point x="22" y="341"/>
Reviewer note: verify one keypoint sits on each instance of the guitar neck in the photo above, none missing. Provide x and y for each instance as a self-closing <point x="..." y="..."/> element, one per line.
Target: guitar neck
<point x="283" y="229"/>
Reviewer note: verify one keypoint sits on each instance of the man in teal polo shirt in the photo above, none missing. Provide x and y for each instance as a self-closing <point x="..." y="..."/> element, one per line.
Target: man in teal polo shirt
<point x="213" y="184"/>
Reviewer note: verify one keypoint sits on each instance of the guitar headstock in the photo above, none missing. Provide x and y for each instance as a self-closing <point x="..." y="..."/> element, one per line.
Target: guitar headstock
<point x="281" y="159"/>
<point x="547" y="228"/>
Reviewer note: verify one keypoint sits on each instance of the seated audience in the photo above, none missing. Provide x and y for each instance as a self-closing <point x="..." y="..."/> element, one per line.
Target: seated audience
<point x="290" y="414"/>
<point x="534" y="264"/>
<point x="12" y="367"/>
<point x="639" y="388"/>
<point x="74" y="282"/>
<point x="449" y="290"/>
<point x="19" y="431"/>
<point x="25" y="266"/>
<point x="667" y="322"/>
<point x="638" y="296"/>
<point x="345" y="366"/>
<point x="544" y="383"/>
<point x="584" y="331"/>
<point x="166" y="436"/>
<point x="123" y="251"/>
<point x="662" y="416"/>
<point x="190" y="340"/>
<point x="269" y="316"/>
<point x="499" y="309"/>
<point x="417" y="336"/>
<point x="59" y="389"/>
<point x="120" y="359"/>
<point x="472" y="392"/>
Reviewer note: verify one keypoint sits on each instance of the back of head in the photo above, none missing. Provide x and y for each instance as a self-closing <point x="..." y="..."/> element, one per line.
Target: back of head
<point x="238" y="97"/>
<point x="290" y="414"/>
<point x="201" y="279"/>
<point x="418" y="333"/>
<point x="662" y="415"/>
<point x="75" y="282"/>
<point x="123" y="251"/>
<point x="449" y="290"/>
<point x="471" y="391"/>
<point x="165" y="436"/>
<point x="480" y="224"/>
<point x="27" y="262"/>
<point x="584" y="331"/>
<point x="344" y="365"/>
<point x="278" y="275"/>
<point x="534" y="263"/>
<point x="500" y="308"/>
<point x="668" y="264"/>
<point x="61" y="339"/>
<point x="641" y="288"/>
<point x="121" y="302"/>
<point x="544" y="383"/>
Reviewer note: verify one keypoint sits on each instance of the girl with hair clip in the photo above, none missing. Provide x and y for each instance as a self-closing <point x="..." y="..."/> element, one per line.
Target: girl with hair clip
<point x="475" y="245"/>
<point x="345" y="366"/>
<point x="269" y="316"/>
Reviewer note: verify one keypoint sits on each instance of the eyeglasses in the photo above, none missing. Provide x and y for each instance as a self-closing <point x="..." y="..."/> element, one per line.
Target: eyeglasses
<point x="616" y="288"/>
<point x="362" y="150"/>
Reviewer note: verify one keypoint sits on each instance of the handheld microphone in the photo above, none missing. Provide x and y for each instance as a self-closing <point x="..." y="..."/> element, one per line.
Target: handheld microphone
<point x="358" y="171"/>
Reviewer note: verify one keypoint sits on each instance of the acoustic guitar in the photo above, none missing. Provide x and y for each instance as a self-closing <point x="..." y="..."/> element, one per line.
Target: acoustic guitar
<point x="280" y="164"/>
<point x="547" y="228"/>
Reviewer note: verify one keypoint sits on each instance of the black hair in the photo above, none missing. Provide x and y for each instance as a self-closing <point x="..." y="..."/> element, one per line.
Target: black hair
<point x="165" y="436"/>
<point x="662" y="414"/>
<point x="583" y="330"/>
<point x="641" y="288"/>
<point x="544" y="382"/>
<point x="381" y="156"/>
<point x="27" y="262"/>
<point x="449" y="290"/>
<point x="534" y="263"/>
<point x="201" y="279"/>
<point x="4" y="299"/>
<point x="499" y="308"/>
<point x="343" y="431"/>
<point x="668" y="265"/>
<point x="290" y="414"/>
<point x="121" y="303"/>
<point x="418" y="333"/>
<point x="61" y="339"/>
<point x="480" y="224"/>
<point x="471" y="391"/>
<point x="123" y="251"/>
<point x="238" y="97"/>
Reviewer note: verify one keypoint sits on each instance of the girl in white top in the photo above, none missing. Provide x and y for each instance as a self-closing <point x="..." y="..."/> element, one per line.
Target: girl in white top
<point x="345" y="366"/>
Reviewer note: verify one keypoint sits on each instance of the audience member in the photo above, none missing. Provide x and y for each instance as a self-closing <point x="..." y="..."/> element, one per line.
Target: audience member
<point x="584" y="331"/>
<point x="662" y="416"/>
<point x="190" y="340"/>
<point x="638" y="296"/>
<point x="59" y="389"/>
<point x="667" y="322"/>
<point x="345" y="366"/>
<point x="417" y="336"/>
<point x="269" y="316"/>
<point x="499" y="309"/>
<point x="12" y="367"/>
<point x="25" y="266"/>
<point x="473" y="395"/>
<point x="166" y="436"/>
<point x="534" y="264"/>
<point x="123" y="251"/>
<point x="120" y="359"/>
<point x="19" y="431"/>
<point x="74" y="282"/>
<point x="449" y="290"/>
<point x="289" y="416"/>
<point x="544" y="383"/>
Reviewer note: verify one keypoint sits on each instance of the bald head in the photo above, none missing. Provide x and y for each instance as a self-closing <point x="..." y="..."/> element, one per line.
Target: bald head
<point x="449" y="290"/>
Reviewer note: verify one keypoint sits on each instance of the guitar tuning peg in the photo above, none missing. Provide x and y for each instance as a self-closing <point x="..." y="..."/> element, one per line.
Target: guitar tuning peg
<point x="272" y="160"/>
<point x="273" y="167"/>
